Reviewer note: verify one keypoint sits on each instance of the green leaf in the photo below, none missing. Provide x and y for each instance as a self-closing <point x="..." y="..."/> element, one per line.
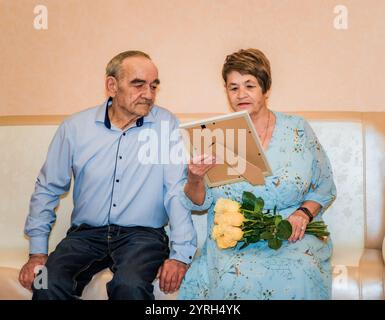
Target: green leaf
<point x="277" y="220"/>
<point x="274" y="243"/>
<point x="248" y="201"/>
<point x="284" y="230"/>
<point x="250" y="239"/>
<point x="254" y="238"/>
<point x="248" y="215"/>
<point x="266" y="235"/>
<point x="259" y="204"/>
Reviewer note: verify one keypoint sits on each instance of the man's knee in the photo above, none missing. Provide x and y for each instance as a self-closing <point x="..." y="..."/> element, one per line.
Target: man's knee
<point x="130" y="285"/>
<point x="53" y="284"/>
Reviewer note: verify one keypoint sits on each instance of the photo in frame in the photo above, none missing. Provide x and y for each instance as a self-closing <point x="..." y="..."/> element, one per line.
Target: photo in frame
<point x="232" y="139"/>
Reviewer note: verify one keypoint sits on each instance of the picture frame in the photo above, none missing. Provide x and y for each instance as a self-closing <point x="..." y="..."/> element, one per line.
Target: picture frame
<point x="235" y="144"/>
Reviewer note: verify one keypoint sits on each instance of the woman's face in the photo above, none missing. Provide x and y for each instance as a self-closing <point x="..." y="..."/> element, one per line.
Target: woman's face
<point x="245" y="93"/>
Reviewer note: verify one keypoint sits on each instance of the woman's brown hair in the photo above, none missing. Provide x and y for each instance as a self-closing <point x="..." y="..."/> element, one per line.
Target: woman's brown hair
<point x="249" y="61"/>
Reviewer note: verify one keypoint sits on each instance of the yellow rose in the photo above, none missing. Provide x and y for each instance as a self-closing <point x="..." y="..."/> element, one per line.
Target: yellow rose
<point x="233" y="233"/>
<point x="217" y="232"/>
<point x="226" y="236"/>
<point x="219" y="218"/>
<point x="225" y="243"/>
<point x="226" y="205"/>
<point x="229" y="218"/>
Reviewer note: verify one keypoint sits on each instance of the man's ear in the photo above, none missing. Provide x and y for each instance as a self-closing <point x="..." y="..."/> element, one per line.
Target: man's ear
<point x="111" y="86"/>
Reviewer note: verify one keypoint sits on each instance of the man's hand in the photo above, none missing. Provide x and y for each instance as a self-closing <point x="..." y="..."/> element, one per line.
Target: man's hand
<point x="171" y="274"/>
<point x="27" y="274"/>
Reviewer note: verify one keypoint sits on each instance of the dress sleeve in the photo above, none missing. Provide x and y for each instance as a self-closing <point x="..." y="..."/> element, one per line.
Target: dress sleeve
<point x="188" y="204"/>
<point x="322" y="188"/>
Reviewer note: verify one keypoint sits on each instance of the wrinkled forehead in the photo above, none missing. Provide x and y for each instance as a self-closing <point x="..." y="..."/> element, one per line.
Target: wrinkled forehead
<point x="235" y="77"/>
<point x="140" y="68"/>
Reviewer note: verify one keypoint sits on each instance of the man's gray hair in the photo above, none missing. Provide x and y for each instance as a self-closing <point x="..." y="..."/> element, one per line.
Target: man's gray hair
<point x="113" y="67"/>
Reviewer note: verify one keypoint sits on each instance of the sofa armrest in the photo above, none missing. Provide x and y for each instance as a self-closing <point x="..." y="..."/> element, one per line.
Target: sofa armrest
<point x="10" y="288"/>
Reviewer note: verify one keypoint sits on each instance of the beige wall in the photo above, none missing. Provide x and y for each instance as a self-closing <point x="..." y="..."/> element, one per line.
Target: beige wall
<point x="315" y="66"/>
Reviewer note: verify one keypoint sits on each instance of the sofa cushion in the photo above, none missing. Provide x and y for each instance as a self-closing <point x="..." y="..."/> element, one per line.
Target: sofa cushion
<point x="364" y="280"/>
<point x="357" y="271"/>
<point x="11" y="261"/>
<point x="10" y="288"/>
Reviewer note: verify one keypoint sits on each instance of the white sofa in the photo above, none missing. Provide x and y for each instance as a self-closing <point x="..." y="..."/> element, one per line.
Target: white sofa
<point x="355" y="143"/>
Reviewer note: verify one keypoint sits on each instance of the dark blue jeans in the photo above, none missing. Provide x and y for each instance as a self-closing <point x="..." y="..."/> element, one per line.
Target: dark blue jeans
<point x="133" y="254"/>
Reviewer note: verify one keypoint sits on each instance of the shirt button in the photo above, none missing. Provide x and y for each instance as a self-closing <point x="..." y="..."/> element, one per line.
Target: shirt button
<point x="114" y="205"/>
<point x="117" y="180"/>
<point x="124" y="133"/>
<point x="120" y="157"/>
<point x="190" y="257"/>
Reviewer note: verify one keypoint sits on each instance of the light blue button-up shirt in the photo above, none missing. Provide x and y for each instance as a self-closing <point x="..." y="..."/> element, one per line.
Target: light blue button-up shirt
<point x="110" y="185"/>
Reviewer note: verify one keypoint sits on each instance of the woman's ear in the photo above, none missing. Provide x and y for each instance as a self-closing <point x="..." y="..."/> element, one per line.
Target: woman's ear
<point x="267" y="94"/>
<point x="111" y="86"/>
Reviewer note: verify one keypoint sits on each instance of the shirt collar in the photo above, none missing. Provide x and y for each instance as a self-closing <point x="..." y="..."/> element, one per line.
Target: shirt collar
<point x="102" y="115"/>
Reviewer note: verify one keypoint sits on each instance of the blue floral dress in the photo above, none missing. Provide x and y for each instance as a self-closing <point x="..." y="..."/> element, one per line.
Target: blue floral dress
<point x="301" y="270"/>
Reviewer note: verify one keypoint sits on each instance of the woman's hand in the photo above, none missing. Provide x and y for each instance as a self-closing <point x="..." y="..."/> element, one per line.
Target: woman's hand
<point x="195" y="186"/>
<point x="298" y="221"/>
<point x="199" y="166"/>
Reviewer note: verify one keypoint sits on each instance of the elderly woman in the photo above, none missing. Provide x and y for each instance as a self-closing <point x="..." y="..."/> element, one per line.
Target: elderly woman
<point x="301" y="188"/>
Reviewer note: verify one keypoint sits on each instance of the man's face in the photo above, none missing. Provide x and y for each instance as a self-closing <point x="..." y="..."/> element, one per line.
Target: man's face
<point x="136" y="86"/>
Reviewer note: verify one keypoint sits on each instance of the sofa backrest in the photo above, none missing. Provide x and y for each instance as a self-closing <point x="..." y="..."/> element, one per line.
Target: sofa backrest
<point x="356" y="151"/>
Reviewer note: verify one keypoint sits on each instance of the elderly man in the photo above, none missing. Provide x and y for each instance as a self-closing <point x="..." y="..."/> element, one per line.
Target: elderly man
<point x="121" y="204"/>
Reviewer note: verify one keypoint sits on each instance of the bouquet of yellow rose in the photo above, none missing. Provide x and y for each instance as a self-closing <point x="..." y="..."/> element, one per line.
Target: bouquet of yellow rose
<point x="249" y="223"/>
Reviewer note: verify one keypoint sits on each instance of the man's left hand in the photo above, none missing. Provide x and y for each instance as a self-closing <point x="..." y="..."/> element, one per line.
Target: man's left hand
<point x="170" y="275"/>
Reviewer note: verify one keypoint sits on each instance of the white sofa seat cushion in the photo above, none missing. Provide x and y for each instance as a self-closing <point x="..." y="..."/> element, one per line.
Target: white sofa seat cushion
<point x="350" y="281"/>
<point x="11" y="261"/>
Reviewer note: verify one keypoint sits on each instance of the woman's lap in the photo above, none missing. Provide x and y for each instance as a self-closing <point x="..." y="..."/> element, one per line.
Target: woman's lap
<point x="296" y="271"/>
